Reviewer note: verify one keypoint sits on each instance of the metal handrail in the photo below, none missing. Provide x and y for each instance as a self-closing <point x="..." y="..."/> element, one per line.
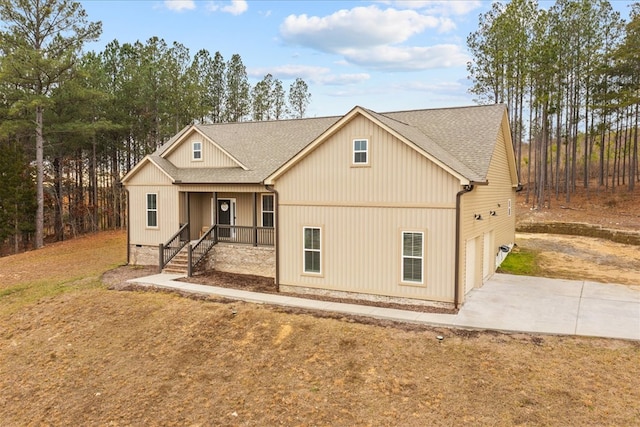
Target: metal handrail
<point x="201" y="248"/>
<point x="174" y="245"/>
<point x="256" y="236"/>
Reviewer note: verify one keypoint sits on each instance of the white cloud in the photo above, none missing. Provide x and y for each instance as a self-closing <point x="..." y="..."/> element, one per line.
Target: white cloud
<point x="180" y="5"/>
<point x="446" y="87"/>
<point x="288" y="71"/>
<point x="393" y="58"/>
<point x="439" y="7"/>
<point x="313" y="74"/>
<point x="341" y="79"/>
<point x="234" y="7"/>
<point x="237" y="7"/>
<point x="375" y="38"/>
<point x="359" y="27"/>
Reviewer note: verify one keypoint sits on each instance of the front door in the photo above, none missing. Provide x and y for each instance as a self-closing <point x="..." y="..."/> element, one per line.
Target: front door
<point x="226" y="218"/>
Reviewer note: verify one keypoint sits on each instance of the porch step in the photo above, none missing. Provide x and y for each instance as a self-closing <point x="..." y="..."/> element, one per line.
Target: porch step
<point x="179" y="264"/>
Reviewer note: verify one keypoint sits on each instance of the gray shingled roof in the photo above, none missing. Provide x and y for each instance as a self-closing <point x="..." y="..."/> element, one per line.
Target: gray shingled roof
<point x="468" y="134"/>
<point x="260" y="146"/>
<point x="461" y="138"/>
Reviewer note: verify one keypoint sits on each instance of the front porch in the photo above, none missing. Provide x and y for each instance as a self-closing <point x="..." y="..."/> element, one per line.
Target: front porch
<point x="216" y="230"/>
<point x="234" y="217"/>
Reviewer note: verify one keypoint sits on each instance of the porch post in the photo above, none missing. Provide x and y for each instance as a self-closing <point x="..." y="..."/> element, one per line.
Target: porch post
<point x="188" y="196"/>
<point x="215" y="215"/>
<point x="255" y="219"/>
<point x="161" y="257"/>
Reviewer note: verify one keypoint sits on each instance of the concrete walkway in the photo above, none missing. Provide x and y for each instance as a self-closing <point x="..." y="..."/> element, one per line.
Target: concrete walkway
<point x="504" y="303"/>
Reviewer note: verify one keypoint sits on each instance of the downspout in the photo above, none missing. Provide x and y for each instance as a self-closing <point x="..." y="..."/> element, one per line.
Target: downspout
<point x="276" y="205"/>
<point x="128" y="227"/>
<point x="456" y="280"/>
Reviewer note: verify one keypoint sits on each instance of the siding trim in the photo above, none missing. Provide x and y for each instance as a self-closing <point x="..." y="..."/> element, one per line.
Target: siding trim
<point x="334" y="204"/>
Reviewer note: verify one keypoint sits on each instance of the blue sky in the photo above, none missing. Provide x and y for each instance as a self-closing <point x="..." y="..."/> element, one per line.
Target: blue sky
<point x="382" y="55"/>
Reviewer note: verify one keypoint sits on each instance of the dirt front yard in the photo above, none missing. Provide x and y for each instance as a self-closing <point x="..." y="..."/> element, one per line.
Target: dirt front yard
<point x="91" y="356"/>
<point x="580" y="257"/>
<point x="584" y="258"/>
<point x="74" y="352"/>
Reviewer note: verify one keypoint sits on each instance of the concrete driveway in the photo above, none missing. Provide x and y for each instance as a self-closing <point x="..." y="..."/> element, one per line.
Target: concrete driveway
<point x="504" y="303"/>
<point x="567" y="307"/>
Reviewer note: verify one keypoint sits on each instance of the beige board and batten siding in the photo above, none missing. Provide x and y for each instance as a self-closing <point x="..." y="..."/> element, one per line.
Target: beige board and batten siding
<point x="150" y="179"/>
<point x="242" y="193"/>
<point x="482" y="200"/>
<point x="199" y="212"/>
<point x="362" y="212"/>
<point x="212" y="156"/>
<point x="202" y="204"/>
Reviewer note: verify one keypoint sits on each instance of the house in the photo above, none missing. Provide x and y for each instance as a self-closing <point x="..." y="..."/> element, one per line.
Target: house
<point x="409" y="206"/>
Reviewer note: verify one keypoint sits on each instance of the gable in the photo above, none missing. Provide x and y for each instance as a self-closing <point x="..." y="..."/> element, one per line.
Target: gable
<point x="147" y="173"/>
<point x="499" y="173"/>
<point x="395" y="175"/>
<point x="510" y="153"/>
<point x="180" y="153"/>
<point x="410" y="129"/>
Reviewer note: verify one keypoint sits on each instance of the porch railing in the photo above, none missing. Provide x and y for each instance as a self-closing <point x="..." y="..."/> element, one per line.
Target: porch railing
<point x="256" y="236"/>
<point x="201" y="248"/>
<point x="174" y="245"/>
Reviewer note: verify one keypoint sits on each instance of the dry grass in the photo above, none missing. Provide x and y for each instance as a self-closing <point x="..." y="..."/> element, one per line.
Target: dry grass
<point x="75" y="353"/>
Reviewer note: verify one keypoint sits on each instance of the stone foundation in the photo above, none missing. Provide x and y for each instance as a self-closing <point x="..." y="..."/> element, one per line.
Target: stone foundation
<point x="242" y="259"/>
<point x="232" y="258"/>
<point x="143" y="255"/>
<point x="363" y="297"/>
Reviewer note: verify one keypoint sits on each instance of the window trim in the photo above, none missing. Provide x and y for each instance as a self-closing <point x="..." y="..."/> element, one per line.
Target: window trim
<point x="147" y="210"/>
<point x="354" y="152"/>
<point x="272" y="212"/>
<point x="304" y="251"/>
<point x="194" y="151"/>
<point x="421" y="258"/>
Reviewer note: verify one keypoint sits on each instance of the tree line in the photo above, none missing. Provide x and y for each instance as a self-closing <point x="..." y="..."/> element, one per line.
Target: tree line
<point x="72" y="123"/>
<point x="570" y="76"/>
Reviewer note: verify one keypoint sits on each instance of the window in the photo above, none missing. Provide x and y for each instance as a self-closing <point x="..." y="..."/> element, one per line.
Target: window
<point x="267" y="210"/>
<point x="412" y="256"/>
<point x="152" y="210"/>
<point x="509" y="207"/>
<point x="360" y="151"/>
<point x="312" y="255"/>
<point x="197" y="151"/>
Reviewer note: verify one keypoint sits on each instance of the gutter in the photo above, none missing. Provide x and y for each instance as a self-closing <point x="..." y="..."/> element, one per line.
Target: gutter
<point x="276" y="205"/>
<point x="456" y="281"/>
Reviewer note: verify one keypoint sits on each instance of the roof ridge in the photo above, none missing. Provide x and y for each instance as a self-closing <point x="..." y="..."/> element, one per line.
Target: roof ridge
<point x="458" y="107"/>
<point x="278" y="121"/>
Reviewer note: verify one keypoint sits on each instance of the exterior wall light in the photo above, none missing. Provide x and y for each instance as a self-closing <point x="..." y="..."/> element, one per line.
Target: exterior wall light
<point x="477" y="217"/>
